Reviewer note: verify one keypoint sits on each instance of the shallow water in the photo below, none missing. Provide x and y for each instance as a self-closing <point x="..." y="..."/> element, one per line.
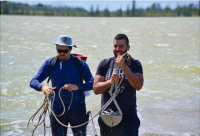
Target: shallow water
<point x="168" y="48"/>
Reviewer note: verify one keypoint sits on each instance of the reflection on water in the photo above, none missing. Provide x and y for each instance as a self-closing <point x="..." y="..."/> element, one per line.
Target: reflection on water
<point x="168" y="48"/>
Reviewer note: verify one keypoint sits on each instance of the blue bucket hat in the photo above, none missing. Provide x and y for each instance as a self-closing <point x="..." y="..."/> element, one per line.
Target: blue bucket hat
<point x="64" y="40"/>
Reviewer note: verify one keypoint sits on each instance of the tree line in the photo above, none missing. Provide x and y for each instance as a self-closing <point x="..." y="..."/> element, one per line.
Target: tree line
<point x="155" y="10"/>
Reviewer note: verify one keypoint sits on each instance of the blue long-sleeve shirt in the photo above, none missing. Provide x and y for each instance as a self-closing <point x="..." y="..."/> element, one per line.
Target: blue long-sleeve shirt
<point x="65" y="73"/>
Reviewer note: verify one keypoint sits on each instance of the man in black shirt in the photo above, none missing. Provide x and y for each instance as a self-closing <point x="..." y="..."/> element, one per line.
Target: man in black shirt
<point x="105" y="77"/>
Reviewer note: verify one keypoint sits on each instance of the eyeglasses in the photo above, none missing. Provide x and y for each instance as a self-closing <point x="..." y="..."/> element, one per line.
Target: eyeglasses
<point x="64" y="51"/>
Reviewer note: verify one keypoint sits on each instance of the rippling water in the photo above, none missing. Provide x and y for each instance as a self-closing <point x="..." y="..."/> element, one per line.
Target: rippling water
<point x="168" y="104"/>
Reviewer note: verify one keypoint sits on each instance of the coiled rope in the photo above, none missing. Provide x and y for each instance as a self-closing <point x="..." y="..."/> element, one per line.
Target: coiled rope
<point x="45" y="106"/>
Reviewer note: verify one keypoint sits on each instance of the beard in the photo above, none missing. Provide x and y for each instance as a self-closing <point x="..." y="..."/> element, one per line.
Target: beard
<point x="119" y="52"/>
<point x="62" y="57"/>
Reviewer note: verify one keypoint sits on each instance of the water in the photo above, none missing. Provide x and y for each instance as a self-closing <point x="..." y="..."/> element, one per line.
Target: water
<point x="168" y="104"/>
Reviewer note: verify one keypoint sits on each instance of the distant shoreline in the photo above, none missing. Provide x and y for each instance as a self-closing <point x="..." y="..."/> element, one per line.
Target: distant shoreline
<point x="155" y="10"/>
<point x="101" y="17"/>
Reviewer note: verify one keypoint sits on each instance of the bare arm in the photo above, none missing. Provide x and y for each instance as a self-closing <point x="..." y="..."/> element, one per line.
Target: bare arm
<point x="135" y="79"/>
<point x="100" y="85"/>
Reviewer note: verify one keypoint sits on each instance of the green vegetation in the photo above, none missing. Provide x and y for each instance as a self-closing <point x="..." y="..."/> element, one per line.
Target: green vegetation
<point x="154" y="10"/>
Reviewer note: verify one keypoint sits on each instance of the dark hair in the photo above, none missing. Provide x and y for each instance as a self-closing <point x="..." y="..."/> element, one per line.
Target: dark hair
<point x="121" y="37"/>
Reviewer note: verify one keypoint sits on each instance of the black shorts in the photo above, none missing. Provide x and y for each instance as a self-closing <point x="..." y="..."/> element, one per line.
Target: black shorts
<point x="129" y="126"/>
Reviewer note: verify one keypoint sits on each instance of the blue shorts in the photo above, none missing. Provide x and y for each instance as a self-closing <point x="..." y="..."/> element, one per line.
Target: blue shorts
<point x="73" y="118"/>
<point x="129" y="126"/>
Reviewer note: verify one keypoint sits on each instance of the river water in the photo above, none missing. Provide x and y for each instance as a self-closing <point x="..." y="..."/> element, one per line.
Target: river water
<point x="168" y="103"/>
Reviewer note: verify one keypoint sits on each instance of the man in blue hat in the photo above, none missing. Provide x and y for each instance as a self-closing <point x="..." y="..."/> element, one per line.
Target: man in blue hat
<point x="66" y="73"/>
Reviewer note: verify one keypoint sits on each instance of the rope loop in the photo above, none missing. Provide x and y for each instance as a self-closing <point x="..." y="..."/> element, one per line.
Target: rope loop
<point x="45" y="106"/>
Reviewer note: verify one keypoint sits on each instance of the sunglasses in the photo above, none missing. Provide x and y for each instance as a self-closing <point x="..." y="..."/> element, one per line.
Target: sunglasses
<point x="64" y="51"/>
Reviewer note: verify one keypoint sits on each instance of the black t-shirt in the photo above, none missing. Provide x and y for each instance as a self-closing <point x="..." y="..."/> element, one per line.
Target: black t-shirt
<point x="126" y="98"/>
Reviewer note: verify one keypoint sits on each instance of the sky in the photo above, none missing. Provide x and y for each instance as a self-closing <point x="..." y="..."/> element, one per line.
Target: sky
<point x="112" y="5"/>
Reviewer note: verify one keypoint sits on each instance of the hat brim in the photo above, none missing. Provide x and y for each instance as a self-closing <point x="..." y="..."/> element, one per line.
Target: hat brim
<point x="53" y="43"/>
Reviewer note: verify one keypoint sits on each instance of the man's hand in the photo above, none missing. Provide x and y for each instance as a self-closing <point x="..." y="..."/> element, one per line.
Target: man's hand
<point x="46" y="89"/>
<point x="114" y="78"/>
<point x="135" y="79"/>
<point x="120" y="61"/>
<point x="70" y="87"/>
